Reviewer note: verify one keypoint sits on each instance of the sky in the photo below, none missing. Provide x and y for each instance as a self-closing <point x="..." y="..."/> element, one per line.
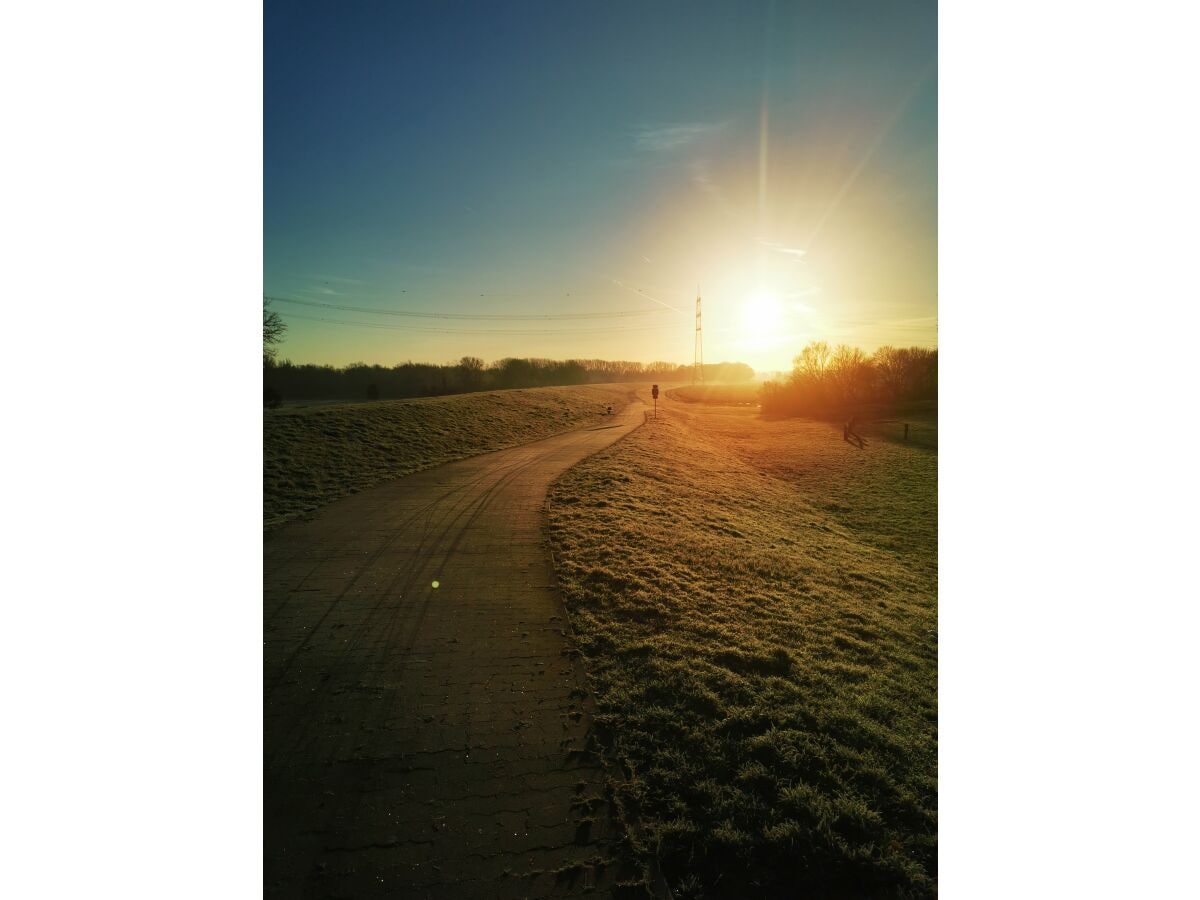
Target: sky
<point x="560" y="179"/>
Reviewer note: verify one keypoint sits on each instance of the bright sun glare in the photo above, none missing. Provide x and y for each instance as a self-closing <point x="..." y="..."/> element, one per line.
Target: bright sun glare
<point x="762" y="316"/>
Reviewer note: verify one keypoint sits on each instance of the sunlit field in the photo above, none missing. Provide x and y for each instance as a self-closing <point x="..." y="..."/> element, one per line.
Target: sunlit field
<point x="756" y="605"/>
<point x="313" y="455"/>
<point x="744" y="394"/>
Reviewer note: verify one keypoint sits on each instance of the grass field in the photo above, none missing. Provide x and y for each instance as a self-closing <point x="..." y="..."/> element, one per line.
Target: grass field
<point x="743" y="394"/>
<point x="313" y="455"/>
<point x="756" y="605"/>
<point x="922" y="429"/>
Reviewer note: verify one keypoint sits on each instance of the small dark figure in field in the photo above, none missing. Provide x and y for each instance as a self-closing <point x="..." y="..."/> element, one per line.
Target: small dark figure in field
<point x="849" y="435"/>
<point x="609" y="411"/>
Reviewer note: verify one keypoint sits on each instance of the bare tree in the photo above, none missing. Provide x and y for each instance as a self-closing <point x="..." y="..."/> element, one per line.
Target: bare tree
<point x="851" y="373"/>
<point x="889" y="364"/>
<point x="470" y="370"/>
<point x="273" y="331"/>
<point x="813" y="360"/>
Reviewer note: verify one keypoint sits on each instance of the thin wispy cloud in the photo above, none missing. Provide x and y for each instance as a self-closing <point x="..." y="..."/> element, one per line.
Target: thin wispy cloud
<point x="663" y="138"/>
<point x="917" y="331"/>
<point x="918" y="322"/>
<point x="780" y="248"/>
<point x="338" y="279"/>
<point x="793" y="302"/>
<point x="802" y="292"/>
<point x="701" y="176"/>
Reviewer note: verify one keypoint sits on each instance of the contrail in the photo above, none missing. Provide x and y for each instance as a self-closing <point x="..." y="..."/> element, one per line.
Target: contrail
<point x="642" y="293"/>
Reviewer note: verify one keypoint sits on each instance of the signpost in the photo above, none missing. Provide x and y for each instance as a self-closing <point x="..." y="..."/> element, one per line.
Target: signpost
<point x="654" y="394"/>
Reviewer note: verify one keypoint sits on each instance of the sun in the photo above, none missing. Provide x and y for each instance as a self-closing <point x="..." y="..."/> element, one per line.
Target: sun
<point x="762" y="316"/>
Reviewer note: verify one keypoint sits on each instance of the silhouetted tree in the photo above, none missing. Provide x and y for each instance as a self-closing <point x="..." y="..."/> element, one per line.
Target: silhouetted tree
<point x="409" y="379"/>
<point x="273" y="331"/>
<point x="470" y="373"/>
<point x="839" y="382"/>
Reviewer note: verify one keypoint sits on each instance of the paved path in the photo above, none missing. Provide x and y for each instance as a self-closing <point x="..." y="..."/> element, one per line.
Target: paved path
<point x="427" y="741"/>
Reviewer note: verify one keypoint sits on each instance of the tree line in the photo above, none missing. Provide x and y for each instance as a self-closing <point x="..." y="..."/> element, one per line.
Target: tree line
<point x="359" y="381"/>
<point x="841" y="381"/>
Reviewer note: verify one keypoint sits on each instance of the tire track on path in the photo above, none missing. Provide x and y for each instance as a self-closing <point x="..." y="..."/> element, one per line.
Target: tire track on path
<point x="423" y="741"/>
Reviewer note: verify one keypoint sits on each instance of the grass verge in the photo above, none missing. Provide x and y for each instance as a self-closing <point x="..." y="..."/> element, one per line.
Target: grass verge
<point x="756" y="605"/>
<point x="314" y="455"/>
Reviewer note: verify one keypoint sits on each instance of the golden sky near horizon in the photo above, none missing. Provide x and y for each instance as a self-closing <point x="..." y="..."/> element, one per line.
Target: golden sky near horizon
<point x="567" y="200"/>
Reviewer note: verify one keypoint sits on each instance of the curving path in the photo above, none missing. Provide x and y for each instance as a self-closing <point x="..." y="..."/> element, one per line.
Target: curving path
<point x="421" y="741"/>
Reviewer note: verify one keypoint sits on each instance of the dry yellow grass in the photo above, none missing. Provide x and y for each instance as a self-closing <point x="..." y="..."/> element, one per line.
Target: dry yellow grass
<point x="756" y="604"/>
<point x="741" y="394"/>
<point x="313" y="455"/>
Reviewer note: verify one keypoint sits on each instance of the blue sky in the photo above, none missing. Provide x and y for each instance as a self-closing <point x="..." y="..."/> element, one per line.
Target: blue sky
<point x="564" y="158"/>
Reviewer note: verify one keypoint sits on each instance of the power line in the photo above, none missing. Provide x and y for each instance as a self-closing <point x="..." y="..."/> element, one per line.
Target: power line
<point x="482" y="330"/>
<point x="616" y="314"/>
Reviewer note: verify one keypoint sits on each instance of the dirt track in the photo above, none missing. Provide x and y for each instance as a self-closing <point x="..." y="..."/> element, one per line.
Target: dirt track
<point x="421" y="741"/>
